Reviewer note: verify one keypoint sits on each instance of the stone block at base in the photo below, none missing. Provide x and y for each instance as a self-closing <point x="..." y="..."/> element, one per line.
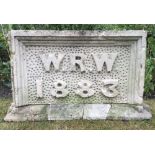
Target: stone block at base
<point x="78" y="111"/>
<point x="65" y="111"/>
<point x="96" y="111"/>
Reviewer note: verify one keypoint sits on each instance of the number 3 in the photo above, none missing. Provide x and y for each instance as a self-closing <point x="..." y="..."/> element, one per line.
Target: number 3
<point x="109" y="89"/>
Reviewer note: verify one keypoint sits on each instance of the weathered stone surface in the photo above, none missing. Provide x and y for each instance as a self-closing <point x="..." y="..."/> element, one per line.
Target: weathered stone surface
<point x="79" y="111"/>
<point x="64" y="75"/>
<point x="27" y="113"/>
<point x="113" y="61"/>
<point x="129" y="112"/>
<point x="96" y="111"/>
<point x="65" y="112"/>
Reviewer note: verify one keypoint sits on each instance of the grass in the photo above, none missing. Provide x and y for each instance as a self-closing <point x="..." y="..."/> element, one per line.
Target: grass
<point x="76" y="124"/>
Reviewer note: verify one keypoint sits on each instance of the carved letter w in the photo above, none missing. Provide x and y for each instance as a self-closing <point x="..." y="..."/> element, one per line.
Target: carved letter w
<point x="107" y="58"/>
<point x="47" y="59"/>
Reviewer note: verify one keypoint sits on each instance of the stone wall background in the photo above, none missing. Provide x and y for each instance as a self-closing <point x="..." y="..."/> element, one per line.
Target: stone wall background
<point x="5" y="78"/>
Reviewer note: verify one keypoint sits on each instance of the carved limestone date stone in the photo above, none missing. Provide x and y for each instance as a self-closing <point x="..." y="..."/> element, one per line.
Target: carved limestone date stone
<point x="64" y="75"/>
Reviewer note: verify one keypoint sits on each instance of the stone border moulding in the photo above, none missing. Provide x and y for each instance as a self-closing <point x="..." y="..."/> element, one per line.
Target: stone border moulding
<point x="135" y="109"/>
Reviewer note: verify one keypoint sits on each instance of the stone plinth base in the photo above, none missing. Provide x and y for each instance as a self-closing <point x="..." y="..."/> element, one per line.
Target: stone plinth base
<point x="78" y="111"/>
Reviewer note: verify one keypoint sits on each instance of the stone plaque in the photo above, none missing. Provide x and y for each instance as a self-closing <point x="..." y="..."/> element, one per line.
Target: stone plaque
<point x="78" y="74"/>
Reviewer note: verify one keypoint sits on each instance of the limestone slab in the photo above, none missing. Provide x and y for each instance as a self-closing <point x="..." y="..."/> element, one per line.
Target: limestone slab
<point x="65" y="112"/>
<point x="27" y="113"/>
<point x="80" y="111"/>
<point x="96" y="111"/>
<point x="65" y="75"/>
<point x="41" y="58"/>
